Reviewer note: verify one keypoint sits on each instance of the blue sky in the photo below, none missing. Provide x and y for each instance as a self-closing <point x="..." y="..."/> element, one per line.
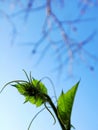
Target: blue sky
<point x="15" y="57"/>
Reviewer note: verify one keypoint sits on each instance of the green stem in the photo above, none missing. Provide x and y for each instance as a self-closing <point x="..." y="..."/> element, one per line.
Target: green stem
<point x="55" y="111"/>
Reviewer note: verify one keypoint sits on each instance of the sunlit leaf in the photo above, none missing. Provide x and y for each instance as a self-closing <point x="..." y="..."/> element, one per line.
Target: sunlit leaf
<point x="38" y="84"/>
<point x="33" y="92"/>
<point x="64" y="106"/>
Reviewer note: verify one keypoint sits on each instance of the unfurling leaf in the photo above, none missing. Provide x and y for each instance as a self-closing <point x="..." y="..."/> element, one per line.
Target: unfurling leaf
<point x="64" y="106"/>
<point x="33" y="91"/>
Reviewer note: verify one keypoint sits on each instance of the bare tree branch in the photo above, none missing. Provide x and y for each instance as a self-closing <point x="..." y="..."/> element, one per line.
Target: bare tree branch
<point x="65" y="46"/>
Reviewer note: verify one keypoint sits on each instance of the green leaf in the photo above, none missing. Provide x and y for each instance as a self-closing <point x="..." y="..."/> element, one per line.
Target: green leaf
<point x="34" y="91"/>
<point x="64" y="106"/>
<point x="39" y="85"/>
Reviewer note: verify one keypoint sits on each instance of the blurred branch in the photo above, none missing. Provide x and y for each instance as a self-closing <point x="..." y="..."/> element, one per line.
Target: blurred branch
<point x="64" y="47"/>
<point x="14" y="30"/>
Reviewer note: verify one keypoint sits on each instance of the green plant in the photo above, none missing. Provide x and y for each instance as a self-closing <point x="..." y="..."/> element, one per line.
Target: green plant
<point x="36" y="93"/>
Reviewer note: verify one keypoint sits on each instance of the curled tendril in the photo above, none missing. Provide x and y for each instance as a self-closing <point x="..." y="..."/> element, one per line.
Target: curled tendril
<point x="19" y="81"/>
<point x="35" y="117"/>
<point x="50" y="113"/>
<point x="28" y="77"/>
<point x="39" y="113"/>
<point x="51" y="84"/>
<point x="14" y="81"/>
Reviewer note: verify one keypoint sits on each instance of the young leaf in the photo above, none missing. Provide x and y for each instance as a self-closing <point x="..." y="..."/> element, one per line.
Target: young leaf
<point x="34" y="91"/>
<point x="64" y="106"/>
